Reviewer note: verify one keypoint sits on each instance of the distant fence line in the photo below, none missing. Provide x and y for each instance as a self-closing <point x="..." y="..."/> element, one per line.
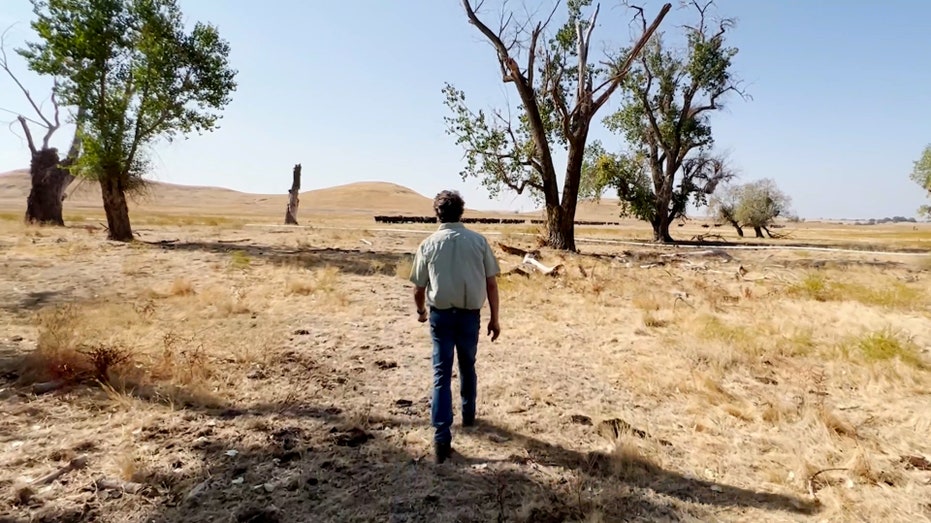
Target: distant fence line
<point x="433" y="219"/>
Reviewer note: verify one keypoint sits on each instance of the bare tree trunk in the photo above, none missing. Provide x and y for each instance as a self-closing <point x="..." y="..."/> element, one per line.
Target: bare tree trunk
<point x="740" y="230"/>
<point x="49" y="181"/>
<point x="560" y="229"/>
<point x="290" y="215"/>
<point x="662" y="220"/>
<point x="114" y="205"/>
<point x="661" y="229"/>
<point x="758" y="231"/>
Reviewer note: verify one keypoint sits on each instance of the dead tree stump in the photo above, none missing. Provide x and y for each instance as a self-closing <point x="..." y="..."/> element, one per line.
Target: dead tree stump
<point x="290" y="216"/>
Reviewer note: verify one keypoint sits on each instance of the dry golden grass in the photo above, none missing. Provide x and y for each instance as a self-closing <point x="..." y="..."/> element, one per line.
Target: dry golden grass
<point x="227" y="378"/>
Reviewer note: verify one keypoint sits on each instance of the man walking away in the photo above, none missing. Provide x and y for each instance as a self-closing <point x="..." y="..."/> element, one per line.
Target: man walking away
<point x="454" y="272"/>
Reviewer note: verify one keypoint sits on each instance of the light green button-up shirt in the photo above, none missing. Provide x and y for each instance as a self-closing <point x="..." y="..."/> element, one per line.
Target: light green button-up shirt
<point x="453" y="264"/>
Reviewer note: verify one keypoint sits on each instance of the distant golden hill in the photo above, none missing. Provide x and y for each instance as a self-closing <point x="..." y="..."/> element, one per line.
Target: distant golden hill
<point x="362" y="198"/>
<point x="354" y="198"/>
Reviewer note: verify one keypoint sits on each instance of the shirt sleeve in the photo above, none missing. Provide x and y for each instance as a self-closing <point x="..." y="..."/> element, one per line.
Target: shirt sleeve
<point x="491" y="263"/>
<point x="420" y="274"/>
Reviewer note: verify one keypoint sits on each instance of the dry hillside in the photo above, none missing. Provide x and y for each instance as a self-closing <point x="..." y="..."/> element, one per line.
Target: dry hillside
<point x="165" y="198"/>
<point x="364" y="198"/>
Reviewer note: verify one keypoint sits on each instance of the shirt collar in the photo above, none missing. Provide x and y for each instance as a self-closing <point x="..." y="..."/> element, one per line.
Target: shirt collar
<point x="452" y="225"/>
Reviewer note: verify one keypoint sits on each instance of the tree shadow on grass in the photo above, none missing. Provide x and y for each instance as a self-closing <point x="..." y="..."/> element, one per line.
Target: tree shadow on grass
<point x="33" y="301"/>
<point x="643" y="474"/>
<point x="299" y="461"/>
<point x="319" y="464"/>
<point x="332" y="470"/>
<point x="304" y="460"/>
<point x="359" y="262"/>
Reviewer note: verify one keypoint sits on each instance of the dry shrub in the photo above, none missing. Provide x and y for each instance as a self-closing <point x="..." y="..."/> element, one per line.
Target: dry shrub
<point x="300" y="286"/>
<point x="62" y="353"/>
<point x="653" y="321"/>
<point x="57" y="355"/>
<point x="629" y="460"/>
<point x="233" y="306"/>
<point x="181" y="287"/>
<point x="403" y="268"/>
<point x="377" y="267"/>
<point x="130" y="466"/>
<point x="646" y="302"/>
<point x="103" y="359"/>
<point x="595" y="284"/>
<point x="181" y="361"/>
<point x="222" y="303"/>
<point x="834" y="423"/>
<point x="88" y="342"/>
<point x="323" y="284"/>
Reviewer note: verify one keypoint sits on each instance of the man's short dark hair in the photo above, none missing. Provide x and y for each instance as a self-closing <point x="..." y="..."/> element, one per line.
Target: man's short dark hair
<point x="448" y="206"/>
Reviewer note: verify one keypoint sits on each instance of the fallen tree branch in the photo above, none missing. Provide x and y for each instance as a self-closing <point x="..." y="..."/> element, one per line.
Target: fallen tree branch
<point x="233" y="241"/>
<point x="549" y="271"/>
<point x="701" y="238"/>
<point x="680" y="296"/>
<point x="48" y="386"/>
<point x="519" y="270"/>
<point x="811" y="479"/>
<point x="75" y="464"/>
<point x="129" y="487"/>
<point x="516" y="251"/>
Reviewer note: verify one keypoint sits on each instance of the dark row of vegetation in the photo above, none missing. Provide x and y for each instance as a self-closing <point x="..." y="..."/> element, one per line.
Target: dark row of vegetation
<point x="509" y="221"/>
<point x="894" y="219"/>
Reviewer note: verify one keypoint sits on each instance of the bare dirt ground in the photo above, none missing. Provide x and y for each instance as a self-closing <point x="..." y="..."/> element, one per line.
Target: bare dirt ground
<point x="235" y="373"/>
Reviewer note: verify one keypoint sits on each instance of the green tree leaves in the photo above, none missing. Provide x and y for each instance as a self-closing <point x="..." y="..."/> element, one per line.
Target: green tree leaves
<point x="755" y="204"/>
<point x="135" y="70"/>
<point x="137" y="75"/>
<point x="921" y="174"/>
<point x="664" y="120"/>
<point x="560" y="89"/>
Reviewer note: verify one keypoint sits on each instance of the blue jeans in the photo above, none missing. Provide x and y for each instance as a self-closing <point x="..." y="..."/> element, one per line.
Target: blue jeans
<point x="453" y="329"/>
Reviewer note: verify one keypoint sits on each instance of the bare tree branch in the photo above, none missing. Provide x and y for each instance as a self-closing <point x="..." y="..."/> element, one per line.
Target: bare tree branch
<point x="615" y="81"/>
<point x="77" y="141"/>
<point x="5" y="65"/>
<point x="511" y="73"/>
<point x="17" y="114"/>
<point x="50" y="125"/>
<point x="32" y="144"/>
<point x="50" y="130"/>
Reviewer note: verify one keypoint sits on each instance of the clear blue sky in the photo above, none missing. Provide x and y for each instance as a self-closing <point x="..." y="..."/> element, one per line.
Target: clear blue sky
<point x="352" y="89"/>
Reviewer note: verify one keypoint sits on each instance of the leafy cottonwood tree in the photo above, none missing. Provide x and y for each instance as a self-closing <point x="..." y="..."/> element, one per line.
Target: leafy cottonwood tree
<point x="138" y="75"/>
<point x="668" y="96"/>
<point x="560" y="90"/>
<point x="755" y="204"/>
<point x="921" y="174"/>
<point x="49" y="174"/>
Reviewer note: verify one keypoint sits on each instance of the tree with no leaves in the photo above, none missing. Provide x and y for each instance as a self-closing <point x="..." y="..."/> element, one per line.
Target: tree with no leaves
<point x="560" y="90"/>
<point x="668" y="97"/>
<point x="138" y="75"/>
<point x="754" y="204"/>
<point x="49" y="174"/>
<point x="921" y="174"/>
